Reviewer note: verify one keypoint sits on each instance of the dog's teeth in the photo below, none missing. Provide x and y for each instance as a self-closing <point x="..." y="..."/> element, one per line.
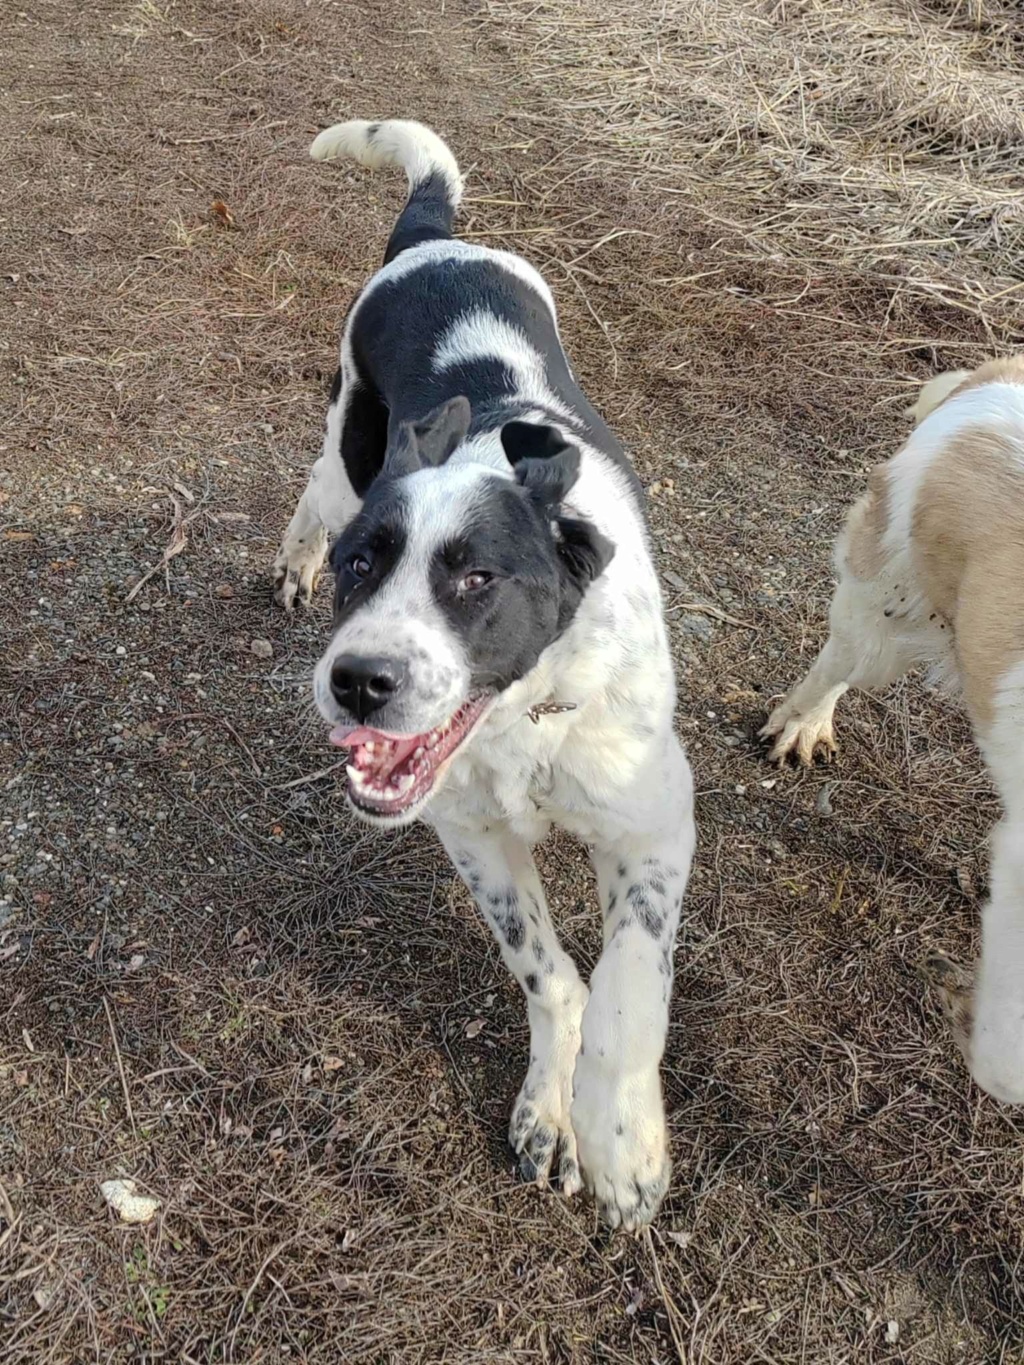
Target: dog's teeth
<point x="371" y="747"/>
<point x="418" y="752"/>
<point x="432" y="741"/>
<point x="355" y="775"/>
<point x="405" y="783"/>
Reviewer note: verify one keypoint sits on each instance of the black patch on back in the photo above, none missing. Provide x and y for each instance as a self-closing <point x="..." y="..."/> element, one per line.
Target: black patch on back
<point x="397" y="325"/>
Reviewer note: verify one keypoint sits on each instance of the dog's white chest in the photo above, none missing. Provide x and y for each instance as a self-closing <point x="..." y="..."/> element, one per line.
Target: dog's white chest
<point x="565" y="769"/>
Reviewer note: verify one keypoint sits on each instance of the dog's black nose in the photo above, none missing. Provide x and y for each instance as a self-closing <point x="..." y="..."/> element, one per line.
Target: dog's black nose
<point x="364" y="685"/>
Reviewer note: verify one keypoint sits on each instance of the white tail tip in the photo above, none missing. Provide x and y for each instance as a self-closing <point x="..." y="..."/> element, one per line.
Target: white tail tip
<point x="395" y="142"/>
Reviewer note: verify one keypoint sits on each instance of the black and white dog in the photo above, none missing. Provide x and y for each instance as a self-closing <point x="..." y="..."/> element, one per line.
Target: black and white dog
<point x="499" y="660"/>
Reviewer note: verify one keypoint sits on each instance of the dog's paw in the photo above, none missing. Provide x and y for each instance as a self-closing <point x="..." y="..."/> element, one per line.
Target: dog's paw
<point x="540" y="1130"/>
<point x="297" y="568"/>
<point x="623" y="1142"/>
<point x="802" y="735"/>
<point x="953" y="987"/>
<point x="985" y="1026"/>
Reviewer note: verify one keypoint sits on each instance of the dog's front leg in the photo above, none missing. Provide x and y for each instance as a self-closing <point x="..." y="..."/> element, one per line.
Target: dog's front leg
<point x="327" y="505"/>
<point x="500" y="874"/>
<point x="618" y="1114"/>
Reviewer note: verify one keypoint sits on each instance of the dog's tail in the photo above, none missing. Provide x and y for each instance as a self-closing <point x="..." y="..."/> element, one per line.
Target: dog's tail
<point x="435" y="184"/>
<point x="934" y="392"/>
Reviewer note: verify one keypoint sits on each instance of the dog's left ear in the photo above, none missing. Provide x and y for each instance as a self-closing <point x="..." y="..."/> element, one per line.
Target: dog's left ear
<point x="545" y="464"/>
<point x="429" y="441"/>
<point x="547" y="467"/>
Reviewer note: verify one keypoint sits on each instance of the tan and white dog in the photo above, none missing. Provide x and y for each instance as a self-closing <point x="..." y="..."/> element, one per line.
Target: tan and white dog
<point x="931" y="572"/>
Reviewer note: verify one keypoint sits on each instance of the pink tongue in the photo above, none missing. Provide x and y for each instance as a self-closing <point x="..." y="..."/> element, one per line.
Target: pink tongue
<point x="391" y="751"/>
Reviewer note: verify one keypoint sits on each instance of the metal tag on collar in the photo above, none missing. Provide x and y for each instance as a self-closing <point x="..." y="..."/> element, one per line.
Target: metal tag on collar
<point x="549" y="708"/>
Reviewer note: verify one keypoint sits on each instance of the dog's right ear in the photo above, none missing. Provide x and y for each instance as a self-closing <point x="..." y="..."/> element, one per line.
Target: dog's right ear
<point x="429" y="441"/>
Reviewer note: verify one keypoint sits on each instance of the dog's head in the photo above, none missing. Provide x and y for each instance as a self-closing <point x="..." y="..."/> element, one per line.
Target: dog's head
<point x="450" y="584"/>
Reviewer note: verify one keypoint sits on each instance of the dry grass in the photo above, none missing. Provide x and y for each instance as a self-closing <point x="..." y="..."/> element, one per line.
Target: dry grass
<point x="845" y="140"/>
<point x="764" y="225"/>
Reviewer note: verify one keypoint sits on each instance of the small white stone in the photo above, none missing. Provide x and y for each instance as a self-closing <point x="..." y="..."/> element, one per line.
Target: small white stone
<point x="129" y="1206"/>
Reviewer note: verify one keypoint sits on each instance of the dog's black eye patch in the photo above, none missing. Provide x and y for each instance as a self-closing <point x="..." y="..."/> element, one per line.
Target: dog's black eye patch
<point x="337" y="556"/>
<point x="375" y="545"/>
<point x="362" y="557"/>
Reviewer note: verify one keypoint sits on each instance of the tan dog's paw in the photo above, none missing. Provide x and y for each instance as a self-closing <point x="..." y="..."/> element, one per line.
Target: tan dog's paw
<point x="802" y="735"/>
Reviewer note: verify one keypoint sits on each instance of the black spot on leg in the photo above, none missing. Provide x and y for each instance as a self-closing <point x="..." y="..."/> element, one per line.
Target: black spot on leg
<point x="512" y="925"/>
<point x="532" y="983"/>
<point x="657" y="886"/>
<point x="613" y="901"/>
<point x="644" y="912"/>
<point x="651" y="921"/>
<point x="619" y="1130"/>
<point x="543" y="957"/>
<point x="623" y="871"/>
<point x="503" y="910"/>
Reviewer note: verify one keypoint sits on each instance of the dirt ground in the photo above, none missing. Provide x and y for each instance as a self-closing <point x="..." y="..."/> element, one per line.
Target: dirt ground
<point x="298" y="1037"/>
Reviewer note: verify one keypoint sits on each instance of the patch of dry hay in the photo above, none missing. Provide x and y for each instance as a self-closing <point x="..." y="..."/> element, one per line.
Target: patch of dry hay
<point x="844" y="138"/>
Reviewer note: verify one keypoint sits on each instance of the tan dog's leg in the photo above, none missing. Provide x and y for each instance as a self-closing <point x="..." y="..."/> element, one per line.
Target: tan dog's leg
<point x="864" y="649"/>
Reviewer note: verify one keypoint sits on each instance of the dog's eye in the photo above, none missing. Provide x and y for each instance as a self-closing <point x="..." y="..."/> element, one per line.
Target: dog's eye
<point x="470" y="582"/>
<point x="360" y="566"/>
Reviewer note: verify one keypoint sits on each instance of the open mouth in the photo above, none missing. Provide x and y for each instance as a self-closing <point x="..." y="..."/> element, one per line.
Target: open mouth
<point x="389" y="775"/>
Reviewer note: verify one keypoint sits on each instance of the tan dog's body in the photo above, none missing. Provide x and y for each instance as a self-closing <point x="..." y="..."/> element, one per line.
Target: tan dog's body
<point x="931" y="572"/>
